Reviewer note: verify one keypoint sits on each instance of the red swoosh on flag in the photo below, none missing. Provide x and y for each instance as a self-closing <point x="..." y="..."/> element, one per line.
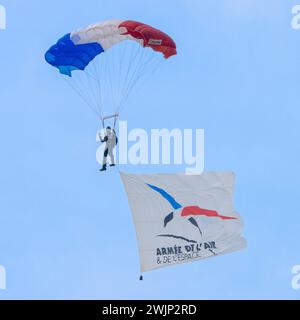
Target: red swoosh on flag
<point x="197" y="211"/>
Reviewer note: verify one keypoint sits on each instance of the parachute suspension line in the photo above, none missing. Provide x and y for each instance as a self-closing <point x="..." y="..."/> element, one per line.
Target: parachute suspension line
<point x="99" y="87"/>
<point x="94" y="88"/>
<point x="123" y="47"/>
<point x="110" y="81"/>
<point x="81" y="96"/>
<point x="129" y="66"/>
<point x="91" y="85"/>
<point x="119" y="54"/>
<point x="130" y="76"/>
<point x="157" y="62"/>
<point x="120" y="73"/>
<point x="111" y="74"/>
<point x="137" y="69"/>
<point x="79" y="89"/>
<point x="97" y="81"/>
<point x="115" y="121"/>
<point x="132" y="56"/>
<point x="138" y="73"/>
<point x="102" y="63"/>
<point x="103" y="79"/>
<point x="81" y="85"/>
<point x="141" y="71"/>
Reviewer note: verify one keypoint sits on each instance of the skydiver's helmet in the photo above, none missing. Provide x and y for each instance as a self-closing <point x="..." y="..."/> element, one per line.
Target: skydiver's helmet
<point x="109" y="132"/>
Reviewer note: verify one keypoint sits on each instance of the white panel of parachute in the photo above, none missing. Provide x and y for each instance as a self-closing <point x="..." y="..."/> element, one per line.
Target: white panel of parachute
<point x="182" y="218"/>
<point x="107" y="34"/>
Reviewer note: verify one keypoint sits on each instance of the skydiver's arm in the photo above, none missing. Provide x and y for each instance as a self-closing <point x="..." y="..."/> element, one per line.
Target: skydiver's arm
<point x="105" y="139"/>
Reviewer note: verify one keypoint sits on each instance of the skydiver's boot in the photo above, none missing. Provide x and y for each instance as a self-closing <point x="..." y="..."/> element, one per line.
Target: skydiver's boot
<point x="103" y="168"/>
<point x="112" y="165"/>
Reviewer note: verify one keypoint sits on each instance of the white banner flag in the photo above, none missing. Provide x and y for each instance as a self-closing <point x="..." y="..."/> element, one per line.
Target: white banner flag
<point x="181" y="218"/>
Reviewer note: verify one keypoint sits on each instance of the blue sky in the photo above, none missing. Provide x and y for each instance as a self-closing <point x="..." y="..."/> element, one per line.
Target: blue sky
<point x="66" y="230"/>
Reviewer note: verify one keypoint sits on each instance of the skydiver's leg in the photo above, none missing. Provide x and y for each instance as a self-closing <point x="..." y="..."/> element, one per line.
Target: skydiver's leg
<point x="104" y="160"/>
<point x="111" y="155"/>
<point x="105" y="156"/>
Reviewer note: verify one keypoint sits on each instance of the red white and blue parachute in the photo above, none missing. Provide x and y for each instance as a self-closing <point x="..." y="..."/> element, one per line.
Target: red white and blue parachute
<point x="127" y="51"/>
<point x="76" y="50"/>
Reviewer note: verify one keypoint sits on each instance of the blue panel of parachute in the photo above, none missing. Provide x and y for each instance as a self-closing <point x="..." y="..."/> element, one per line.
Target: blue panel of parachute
<point x="67" y="56"/>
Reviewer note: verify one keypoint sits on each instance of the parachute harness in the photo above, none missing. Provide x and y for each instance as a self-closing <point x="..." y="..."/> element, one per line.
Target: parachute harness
<point x="114" y="116"/>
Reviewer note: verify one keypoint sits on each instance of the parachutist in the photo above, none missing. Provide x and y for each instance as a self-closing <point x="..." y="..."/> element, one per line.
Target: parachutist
<point x="111" y="141"/>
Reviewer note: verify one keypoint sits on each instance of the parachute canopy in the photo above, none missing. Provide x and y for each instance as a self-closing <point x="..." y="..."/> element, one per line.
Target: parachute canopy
<point x="76" y="50"/>
<point x="111" y="58"/>
<point x="182" y="218"/>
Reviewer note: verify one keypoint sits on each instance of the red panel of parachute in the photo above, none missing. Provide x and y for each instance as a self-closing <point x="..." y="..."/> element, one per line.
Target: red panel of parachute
<point x="153" y="38"/>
